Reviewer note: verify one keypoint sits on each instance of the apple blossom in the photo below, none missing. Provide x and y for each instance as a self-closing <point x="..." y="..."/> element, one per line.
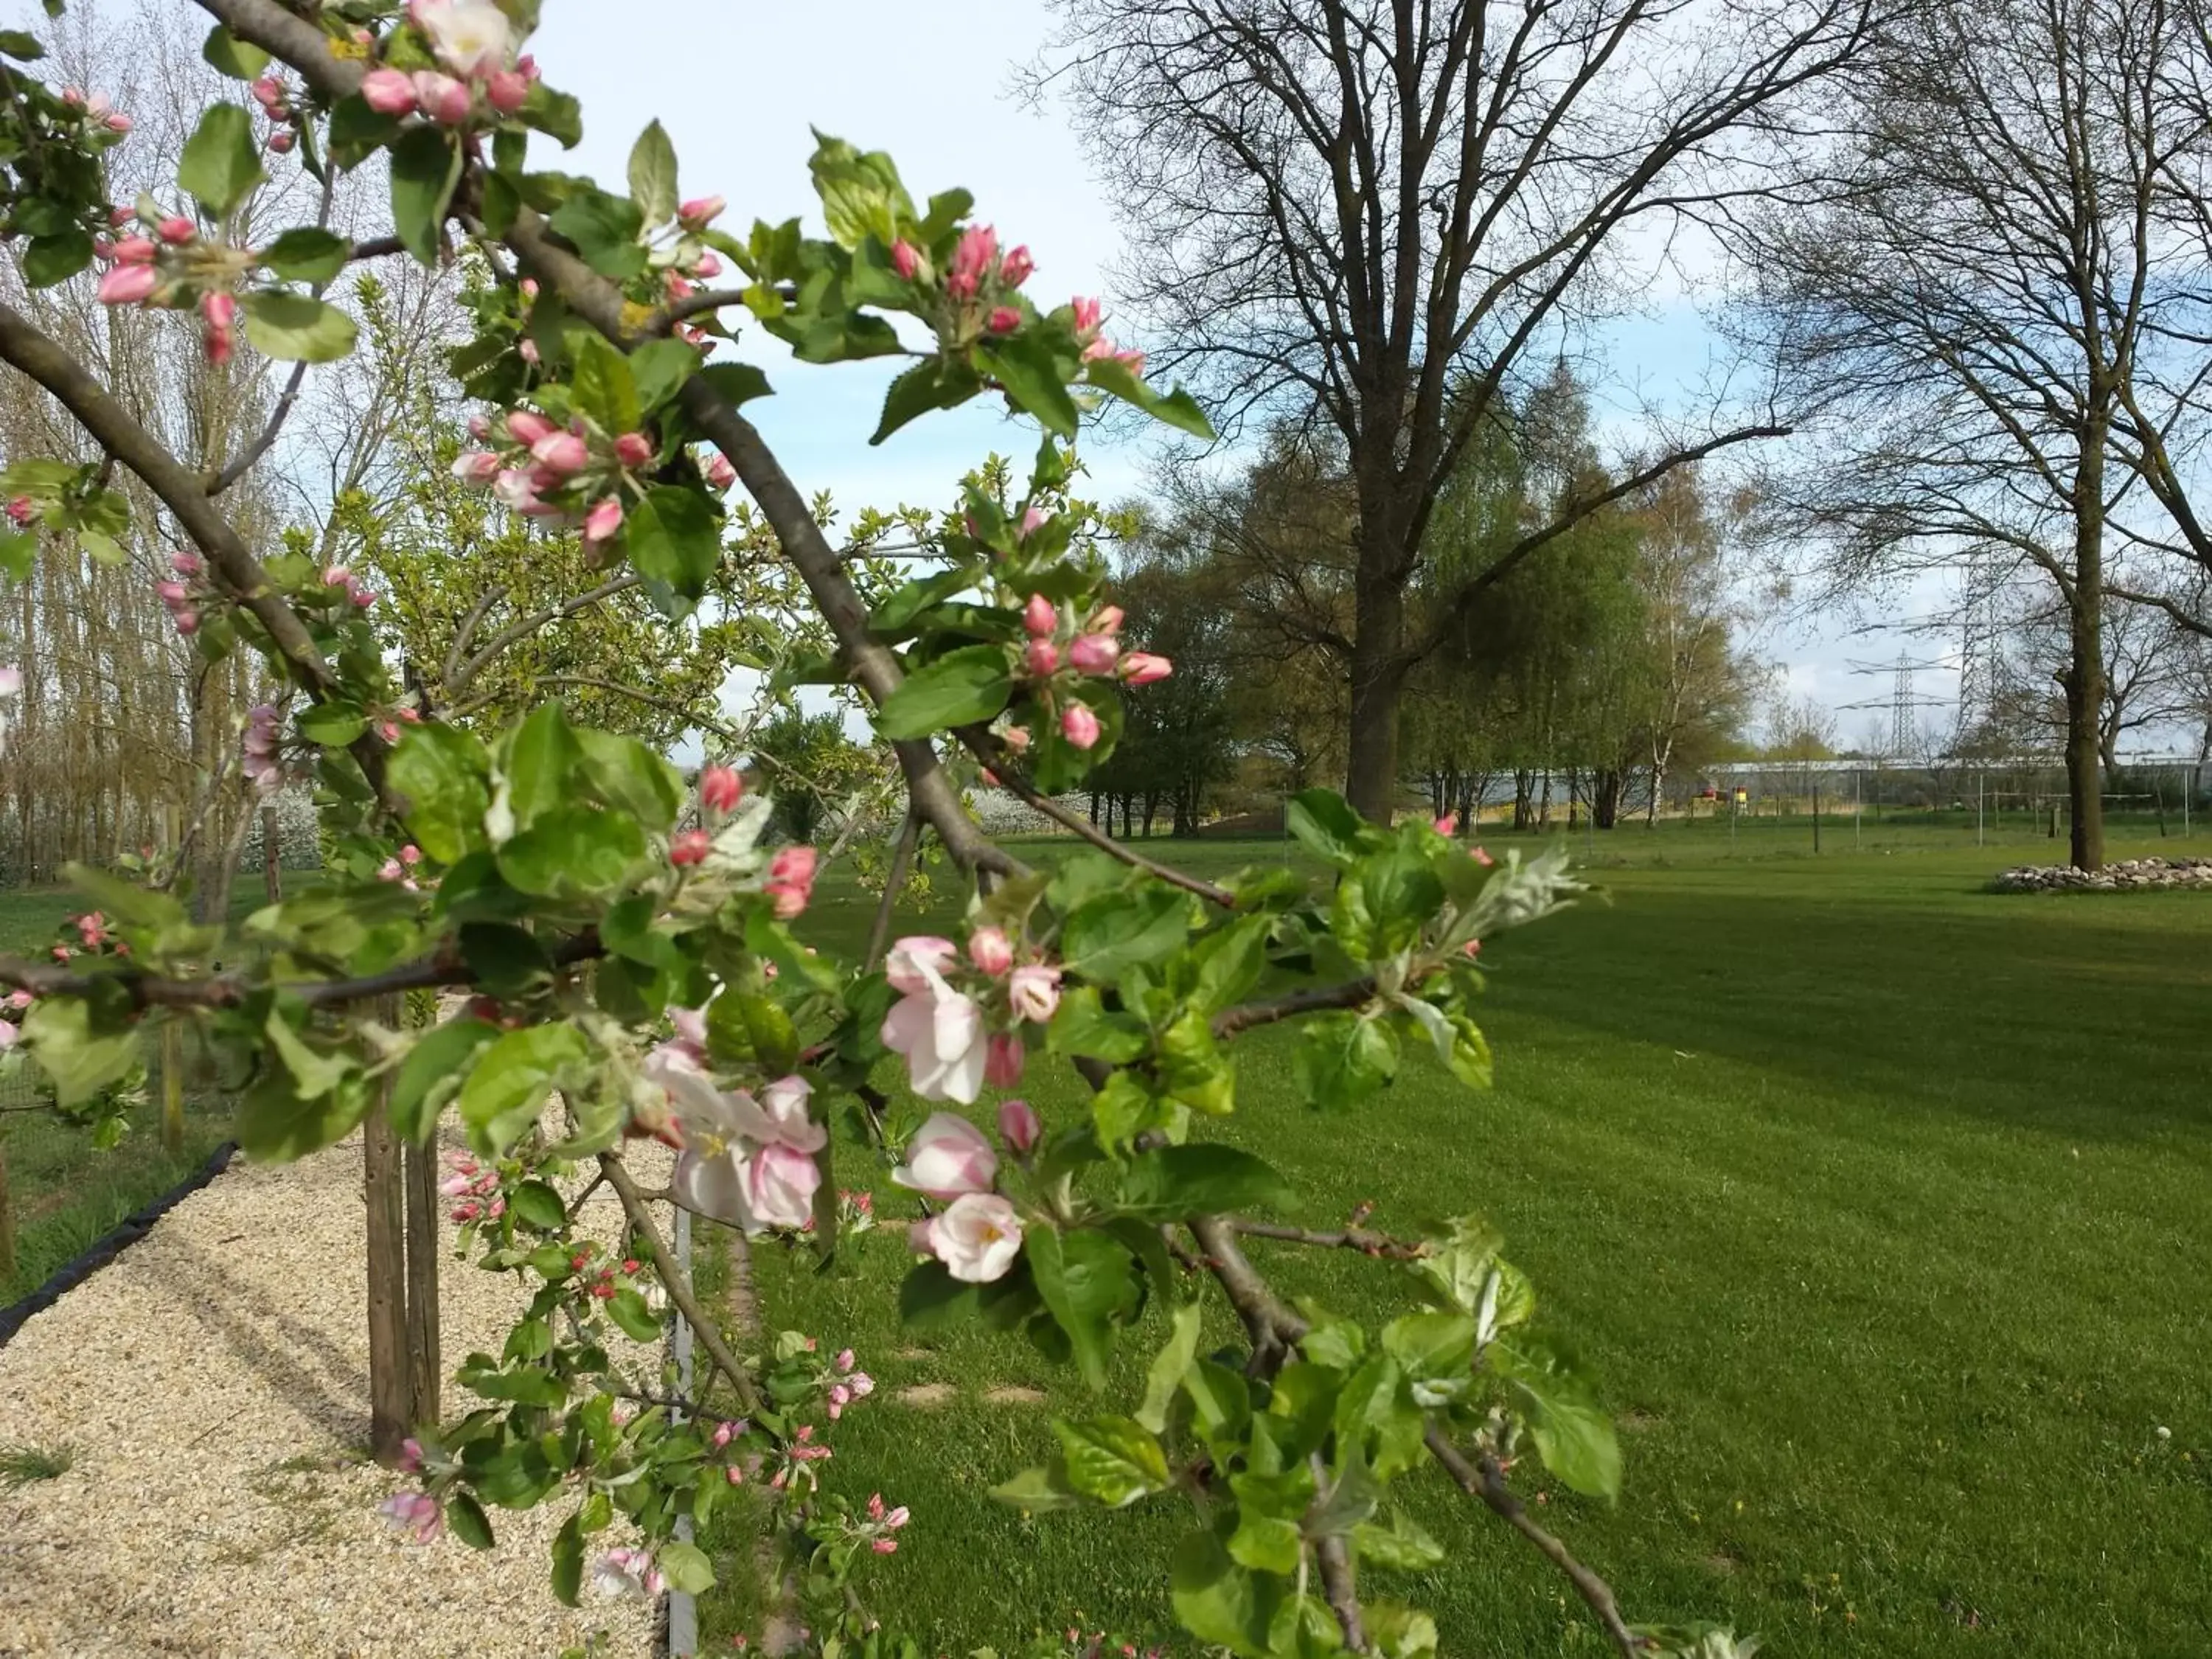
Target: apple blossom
<point x="605" y="521"/>
<point x="1094" y="654"/>
<point x="1033" y="991"/>
<point x="1015" y="268"/>
<point x="176" y="229"/>
<point x="281" y="142"/>
<point x="1003" y="1060"/>
<point x="990" y="949"/>
<point x="22" y="509"/>
<point x="719" y="471"/>
<point x="700" y="211"/>
<point x="1019" y="1127"/>
<point x="1041" y="658"/>
<point x="1004" y="319"/>
<point x="7" y="1034"/>
<point x="978" y="250"/>
<point x="977" y="1238"/>
<point x="790" y="880"/>
<point x="1089" y="315"/>
<point x="1016" y="737"/>
<point x="941" y="1034"/>
<point x="415" y="1513"/>
<point x="948" y="1155"/>
<point x="127" y="285"/>
<point x="689" y="846"/>
<point x="905" y="259"/>
<point x="719" y="788"/>
<point x="633" y="449"/>
<point x="507" y="91"/>
<point x="1106" y="619"/>
<point x="471" y="38"/>
<point x="913" y="960"/>
<point x="135" y="251"/>
<point x="527" y="426"/>
<point x="478" y="466"/>
<point x="1041" y="617"/>
<point x="563" y="453"/>
<point x="388" y="92"/>
<point x="1078" y="725"/>
<point x="626" y="1573"/>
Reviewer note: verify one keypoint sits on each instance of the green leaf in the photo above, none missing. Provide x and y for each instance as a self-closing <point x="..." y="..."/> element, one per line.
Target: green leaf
<point x="1112" y="1460"/>
<point x="674" y="538"/>
<point x="1038" y="1491"/>
<point x="1170" y="1366"/>
<point x="1220" y="1603"/>
<point x="19" y="552"/>
<point x="23" y="48"/>
<point x="508" y="1087"/>
<point x="1108" y="936"/>
<point x="426" y="165"/>
<point x="465" y="1518"/>
<point x="740" y="383"/>
<point x="931" y="1298"/>
<point x="1086" y="1278"/>
<point x="1328" y="828"/>
<point x="538" y="1204"/>
<point x="220" y="162"/>
<point x="626" y="1307"/>
<point x="278" y="1120"/>
<point x="1342" y="1059"/>
<point x="569" y="1560"/>
<point x="659" y="369"/>
<point x="602" y="385"/>
<point x="961" y="688"/>
<point x="333" y="725"/>
<point x="1169" y="1184"/>
<point x="631" y="777"/>
<point x="1177" y="408"/>
<point x="432" y="1074"/>
<point x="296" y="328"/>
<point x="652" y="175"/>
<point x="1573" y="1435"/>
<point x="1382" y="902"/>
<point x="55" y="258"/>
<point x="938" y="383"/>
<point x="1025" y="366"/>
<point x="1267" y="1537"/>
<point x="556" y="114"/>
<point x="685" y="1567"/>
<point x="1404" y="1546"/>
<point x="541" y="760"/>
<point x="1435" y="1350"/>
<point x="439" y="771"/>
<point x="306" y="254"/>
<point x="1470" y="1058"/>
<point x="605" y="230"/>
<point x="1082" y="1025"/>
<point x="80" y="1060"/>
<point x="1230" y="962"/>
<point x="241" y="60"/>
<point x="574" y="851"/>
<point x="861" y="195"/>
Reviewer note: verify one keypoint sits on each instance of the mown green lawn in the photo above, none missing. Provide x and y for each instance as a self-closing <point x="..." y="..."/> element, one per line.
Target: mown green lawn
<point x="66" y="1194"/>
<point x="1879" y="1203"/>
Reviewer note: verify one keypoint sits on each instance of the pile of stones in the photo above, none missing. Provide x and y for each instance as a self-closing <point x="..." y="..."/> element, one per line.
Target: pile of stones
<point x="2125" y="876"/>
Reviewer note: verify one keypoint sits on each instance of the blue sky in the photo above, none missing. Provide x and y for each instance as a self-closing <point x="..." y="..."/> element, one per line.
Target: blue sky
<point x="930" y="83"/>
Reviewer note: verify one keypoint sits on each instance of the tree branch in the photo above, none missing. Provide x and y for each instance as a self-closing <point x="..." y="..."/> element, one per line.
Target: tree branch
<point x="1246" y="1015"/>
<point x="679" y="1288"/>
<point x="879" y="931"/>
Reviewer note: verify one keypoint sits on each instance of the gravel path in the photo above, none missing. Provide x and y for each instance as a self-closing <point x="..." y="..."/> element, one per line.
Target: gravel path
<point x="213" y="1383"/>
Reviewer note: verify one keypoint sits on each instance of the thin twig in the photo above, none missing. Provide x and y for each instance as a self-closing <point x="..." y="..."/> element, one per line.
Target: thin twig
<point x="679" y="1287"/>
<point x="1338" y="1583"/>
<point x="456" y="684"/>
<point x="1349" y="1238"/>
<point x="902" y="856"/>
<point x="1245" y="1016"/>
<point x="1485" y="1481"/>
<point x="490" y="596"/>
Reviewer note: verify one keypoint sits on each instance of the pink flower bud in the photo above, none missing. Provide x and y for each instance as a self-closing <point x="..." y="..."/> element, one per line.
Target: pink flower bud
<point x="1142" y="668"/>
<point x="526" y="427"/>
<point x="720" y="473"/>
<point x="708" y="264"/>
<point x="185" y="564"/>
<point x="1446" y="825"/>
<point x="479" y="427"/>
<point x="1078" y="725"/>
<point x="176" y="229"/>
<point x="507" y="91"/>
<point x="129" y="284"/>
<point x="1043" y="657"/>
<point x="172" y="595"/>
<point x="118" y="122"/>
<point x="1015" y="268"/>
<point x="336" y="575"/>
<point x="188" y="622"/>
<point x="268" y="91"/>
<point x="719" y="788"/>
<point x="411" y="855"/>
<point x="1089" y="315"/>
<point x="1106" y="619"/>
<point x="633" y="449"/>
<point x="990" y="949"/>
<point x="221" y="310"/>
<point x="1041" y="616"/>
<point x="1005" y="319"/>
<point x="388" y="92"/>
<point x="362" y="598"/>
<point x="898" y="1517"/>
<point x="529" y="287"/>
<point x="1094" y="654"/>
<point x="221" y="340"/>
<point x="441" y="97"/>
<point x="563" y="453"/>
<point x="1019" y="1127"/>
<point x="884" y="1546"/>
<point x="135" y="251"/>
<point x="906" y="259"/>
<point x="734" y="1476"/>
<point x="700" y="211"/>
<point x="1034" y="520"/>
<point x="972" y="260"/>
<point x="1480" y="857"/>
<point x="689" y="846"/>
<point x="281" y="142"/>
<point x="1003" y="1059"/>
<point x="846" y="1359"/>
<point x="22" y="510"/>
<point x="601" y="522"/>
<point x="103" y="249"/>
<point x="121" y="216"/>
<point x="790" y="881"/>
<point x="528" y="352"/>
<point x="478" y="466"/>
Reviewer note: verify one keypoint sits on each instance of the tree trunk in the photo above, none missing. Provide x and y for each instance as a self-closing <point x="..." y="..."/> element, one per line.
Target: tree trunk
<point x="2085" y="674"/>
<point x="1605" y="799"/>
<point x="1524" y="794"/>
<point x="1378" y="677"/>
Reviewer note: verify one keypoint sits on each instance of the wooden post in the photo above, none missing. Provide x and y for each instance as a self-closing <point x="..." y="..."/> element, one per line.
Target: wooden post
<point x="390" y="1379"/>
<point x="271" y="873"/>
<point x="425" y="1375"/>
<point x="173" y="1035"/>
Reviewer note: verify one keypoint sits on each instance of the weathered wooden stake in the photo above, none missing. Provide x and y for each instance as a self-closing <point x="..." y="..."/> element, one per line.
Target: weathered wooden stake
<point x="172" y="1038"/>
<point x="7" y="1216"/>
<point x="425" y="1374"/>
<point x="391" y="1378"/>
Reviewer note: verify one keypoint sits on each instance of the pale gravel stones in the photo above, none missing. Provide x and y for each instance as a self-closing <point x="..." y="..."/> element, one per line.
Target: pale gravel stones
<point x="2125" y="876"/>
<point x="213" y="1381"/>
